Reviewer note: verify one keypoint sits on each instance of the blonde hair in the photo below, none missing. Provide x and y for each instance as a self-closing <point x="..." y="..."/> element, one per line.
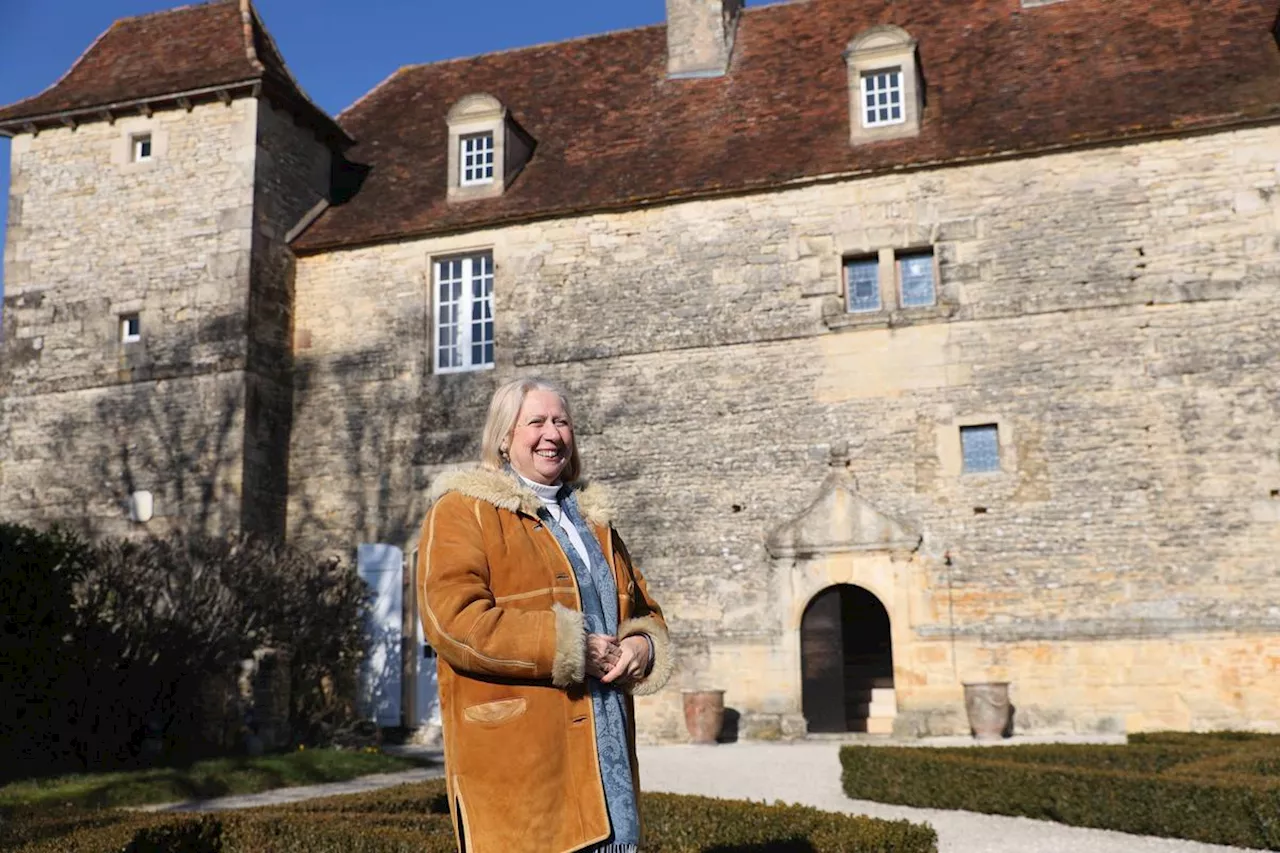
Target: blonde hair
<point x="504" y="408"/>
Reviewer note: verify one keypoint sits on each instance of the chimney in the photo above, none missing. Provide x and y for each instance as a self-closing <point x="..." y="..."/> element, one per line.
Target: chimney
<point x="700" y="36"/>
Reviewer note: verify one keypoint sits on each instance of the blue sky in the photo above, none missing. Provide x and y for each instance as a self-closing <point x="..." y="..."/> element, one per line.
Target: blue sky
<point x="337" y="49"/>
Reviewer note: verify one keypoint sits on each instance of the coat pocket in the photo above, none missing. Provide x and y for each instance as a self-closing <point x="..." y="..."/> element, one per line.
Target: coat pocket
<point x="496" y="712"/>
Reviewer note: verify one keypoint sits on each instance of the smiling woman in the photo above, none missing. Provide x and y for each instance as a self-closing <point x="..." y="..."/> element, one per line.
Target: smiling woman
<point x="530" y="429"/>
<point x="544" y="631"/>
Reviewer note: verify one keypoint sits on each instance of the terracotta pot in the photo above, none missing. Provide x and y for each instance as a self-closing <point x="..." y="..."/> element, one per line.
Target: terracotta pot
<point x="703" y="714"/>
<point x="987" y="705"/>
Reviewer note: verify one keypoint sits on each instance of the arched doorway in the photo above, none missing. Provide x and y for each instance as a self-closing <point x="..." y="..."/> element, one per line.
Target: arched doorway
<point x="846" y="659"/>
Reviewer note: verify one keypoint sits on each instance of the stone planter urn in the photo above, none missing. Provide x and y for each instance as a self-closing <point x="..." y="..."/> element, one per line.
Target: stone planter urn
<point x="703" y="714"/>
<point x="987" y="705"/>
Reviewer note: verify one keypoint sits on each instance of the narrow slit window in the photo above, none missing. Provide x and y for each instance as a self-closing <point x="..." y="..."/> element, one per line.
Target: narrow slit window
<point x="980" y="448"/>
<point x="141" y="148"/>
<point x="477" y="159"/>
<point x="464" y="313"/>
<point x="915" y="271"/>
<point x="130" y="328"/>
<point x="882" y="98"/>
<point x="862" y="284"/>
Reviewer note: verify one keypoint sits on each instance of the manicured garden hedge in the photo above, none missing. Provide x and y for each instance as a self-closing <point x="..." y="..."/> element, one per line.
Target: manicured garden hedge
<point x="1221" y="789"/>
<point x="415" y="819"/>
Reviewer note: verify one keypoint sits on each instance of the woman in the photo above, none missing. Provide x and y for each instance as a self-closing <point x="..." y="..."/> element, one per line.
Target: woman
<point x="544" y="630"/>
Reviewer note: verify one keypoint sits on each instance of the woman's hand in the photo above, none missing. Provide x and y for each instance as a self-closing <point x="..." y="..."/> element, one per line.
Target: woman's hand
<point x="603" y="653"/>
<point x="632" y="662"/>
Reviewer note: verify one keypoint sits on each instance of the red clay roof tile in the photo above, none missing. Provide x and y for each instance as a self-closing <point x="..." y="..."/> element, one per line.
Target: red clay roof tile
<point x="613" y="132"/>
<point x="166" y="53"/>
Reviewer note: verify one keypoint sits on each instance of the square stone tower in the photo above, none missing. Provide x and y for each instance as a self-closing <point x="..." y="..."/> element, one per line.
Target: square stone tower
<point x="146" y="365"/>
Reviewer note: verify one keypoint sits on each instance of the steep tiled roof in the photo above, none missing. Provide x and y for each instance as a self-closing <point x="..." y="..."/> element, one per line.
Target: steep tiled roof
<point x="612" y="132"/>
<point x="184" y="50"/>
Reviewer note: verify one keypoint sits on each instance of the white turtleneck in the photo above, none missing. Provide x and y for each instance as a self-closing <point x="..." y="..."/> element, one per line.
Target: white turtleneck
<point x="549" y="495"/>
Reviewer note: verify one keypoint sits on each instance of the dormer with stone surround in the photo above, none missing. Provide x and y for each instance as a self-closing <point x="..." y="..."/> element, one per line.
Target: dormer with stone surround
<point x="886" y="89"/>
<point x="487" y="148"/>
<point x="147" y="274"/>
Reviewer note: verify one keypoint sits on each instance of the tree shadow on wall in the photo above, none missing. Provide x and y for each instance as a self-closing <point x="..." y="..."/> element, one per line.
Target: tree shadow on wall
<point x="373" y="428"/>
<point x="158" y="428"/>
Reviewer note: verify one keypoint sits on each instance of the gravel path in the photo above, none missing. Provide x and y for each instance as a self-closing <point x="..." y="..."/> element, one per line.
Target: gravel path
<point x="280" y="796"/>
<point x="809" y="773"/>
<point x="806" y="772"/>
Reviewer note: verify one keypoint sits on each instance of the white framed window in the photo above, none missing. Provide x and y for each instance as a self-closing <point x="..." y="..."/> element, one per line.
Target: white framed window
<point x="882" y="98"/>
<point x="130" y="328"/>
<point x="915" y="275"/>
<point x="862" y="285"/>
<point x="980" y="449"/>
<point x="140" y="146"/>
<point x="476" y="159"/>
<point x="464" y="313"/>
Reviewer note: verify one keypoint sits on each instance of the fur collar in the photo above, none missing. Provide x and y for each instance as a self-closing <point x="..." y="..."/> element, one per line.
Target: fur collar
<point x="507" y="492"/>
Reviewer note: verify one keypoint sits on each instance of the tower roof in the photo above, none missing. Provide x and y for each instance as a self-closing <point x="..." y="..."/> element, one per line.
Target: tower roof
<point x="190" y="53"/>
<point x="613" y="132"/>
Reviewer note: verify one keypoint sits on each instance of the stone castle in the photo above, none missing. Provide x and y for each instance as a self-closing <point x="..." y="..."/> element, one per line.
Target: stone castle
<point x="923" y="344"/>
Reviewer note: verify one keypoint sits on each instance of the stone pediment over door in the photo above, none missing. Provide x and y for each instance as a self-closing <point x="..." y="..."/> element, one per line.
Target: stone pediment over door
<point x="840" y="520"/>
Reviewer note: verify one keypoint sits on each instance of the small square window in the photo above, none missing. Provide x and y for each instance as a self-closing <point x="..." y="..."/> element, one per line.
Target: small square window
<point x="915" y="271"/>
<point x="862" y="284"/>
<point x="882" y="98"/>
<point x="130" y="328"/>
<point x="141" y="148"/>
<point x="477" y="159"/>
<point x="980" y="448"/>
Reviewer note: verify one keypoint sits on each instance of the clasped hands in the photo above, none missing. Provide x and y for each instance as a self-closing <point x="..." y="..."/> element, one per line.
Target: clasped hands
<point x="610" y="659"/>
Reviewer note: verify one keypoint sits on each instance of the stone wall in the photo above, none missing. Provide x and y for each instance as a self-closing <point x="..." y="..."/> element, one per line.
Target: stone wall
<point x="292" y="175"/>
<point x="92" y="235"/>
<point x="1113" y="311"/>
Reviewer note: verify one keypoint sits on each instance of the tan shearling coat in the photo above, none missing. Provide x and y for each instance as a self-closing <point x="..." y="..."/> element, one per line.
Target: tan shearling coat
<point x="500" y="604"/>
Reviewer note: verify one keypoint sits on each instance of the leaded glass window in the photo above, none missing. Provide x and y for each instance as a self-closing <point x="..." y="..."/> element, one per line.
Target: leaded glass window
<point x="862" y="282"/>
<point x="916" y="273"/>
<point x="980" y="448"/>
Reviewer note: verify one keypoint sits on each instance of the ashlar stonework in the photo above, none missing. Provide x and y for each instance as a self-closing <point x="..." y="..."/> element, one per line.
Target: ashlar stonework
<point x="1104" y="315"/>
<point x="1123" y="349"/>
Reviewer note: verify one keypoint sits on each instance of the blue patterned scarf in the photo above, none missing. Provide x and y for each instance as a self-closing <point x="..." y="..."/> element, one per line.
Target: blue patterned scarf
<point x="599" y="594"/>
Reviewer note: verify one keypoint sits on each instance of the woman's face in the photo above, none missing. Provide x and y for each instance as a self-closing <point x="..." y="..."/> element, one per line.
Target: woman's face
<point x="542" y="440"/>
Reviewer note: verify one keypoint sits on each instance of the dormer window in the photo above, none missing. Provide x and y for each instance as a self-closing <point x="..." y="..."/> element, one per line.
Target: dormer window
<point x="477" y="159"/>
<point x="882" y="98"/>
<point x="141" y="148"/>
<point x="487" y="148"/>
<point x="886" y="90"/>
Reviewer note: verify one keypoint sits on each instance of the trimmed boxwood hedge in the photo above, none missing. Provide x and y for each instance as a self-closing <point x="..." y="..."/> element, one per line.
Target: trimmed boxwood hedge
<point x="415" y="819"/>
<point x="1220" y="789"/>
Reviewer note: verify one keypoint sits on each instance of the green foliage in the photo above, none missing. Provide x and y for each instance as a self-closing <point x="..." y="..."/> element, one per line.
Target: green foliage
<point x="202" y="780"/>
<point x="415" y="819"/>
<point x="1219" y="789"/>
<point x="203" y="835"/>
<point x="682" y="824"/>
<point x="39" y="653"/>
<point x="71" y="829"/>
<point x="127" y="650"/>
